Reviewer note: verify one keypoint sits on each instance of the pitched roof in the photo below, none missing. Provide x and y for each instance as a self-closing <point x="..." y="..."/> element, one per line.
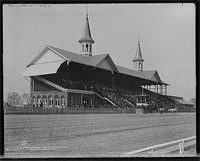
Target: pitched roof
<point x="184" y="102"/>
<point x="72" y="56"/>
<point x="149" y="74"/>
<point x="138" y="56"/>
<point x="42" y="69"/>
<point x="96" y="59"/>
<point x="86" y="37"/>
<point x="130" y="72"/>
<point x="103" y="61"/>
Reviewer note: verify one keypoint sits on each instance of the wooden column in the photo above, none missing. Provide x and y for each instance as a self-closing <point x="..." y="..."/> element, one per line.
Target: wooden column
<point x="66" y="99"/>
<point x="112" y="79"/>
<point x="82" y="99"/>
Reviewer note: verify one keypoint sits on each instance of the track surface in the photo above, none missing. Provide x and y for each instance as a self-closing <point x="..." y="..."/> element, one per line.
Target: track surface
<point x="93" y="134"/>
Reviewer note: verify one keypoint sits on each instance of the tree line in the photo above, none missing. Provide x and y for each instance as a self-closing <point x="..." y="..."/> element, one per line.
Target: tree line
<point x="15" y="98"/>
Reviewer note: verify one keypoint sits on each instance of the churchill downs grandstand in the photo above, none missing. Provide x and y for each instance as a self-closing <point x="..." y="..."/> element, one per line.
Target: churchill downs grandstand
<point x="66" y="82"/>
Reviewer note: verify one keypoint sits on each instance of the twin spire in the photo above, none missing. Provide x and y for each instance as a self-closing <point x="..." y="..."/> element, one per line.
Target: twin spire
<point x="138" y="61"/>
<point x="86" y="42"/>
<point x="86" y="39"/>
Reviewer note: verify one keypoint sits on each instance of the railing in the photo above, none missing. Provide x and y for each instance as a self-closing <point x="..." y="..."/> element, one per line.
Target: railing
<point x="165" y="148"/>
<point x="106" y="99"/>
<point x="129" y="103"/>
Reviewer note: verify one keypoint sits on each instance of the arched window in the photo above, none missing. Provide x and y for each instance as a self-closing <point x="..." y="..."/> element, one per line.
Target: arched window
<point x="44" y="98"/>
<point x="51" y="101"/>
<point x="34" y="101"/>
<point x="86" y="47"/>
<point x="57" y="101"/>
<point x="39" y="100"/>
<point x="63" y="101"/>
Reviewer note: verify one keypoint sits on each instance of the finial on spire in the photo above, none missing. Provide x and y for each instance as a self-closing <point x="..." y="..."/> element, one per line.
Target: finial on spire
<point x="87" y="11"/>
<point x="139" y="38"/>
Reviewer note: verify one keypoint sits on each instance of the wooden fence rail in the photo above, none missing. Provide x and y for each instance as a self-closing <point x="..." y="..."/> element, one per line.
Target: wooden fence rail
<point x="165" y="148"/>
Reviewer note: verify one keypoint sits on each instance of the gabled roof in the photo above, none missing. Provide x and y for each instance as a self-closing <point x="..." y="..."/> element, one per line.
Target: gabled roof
<point x="86" y="37"/>
<point x="91" y="61"/>
<point x="148" y="75"/>
<point x="103" y="61"/>
<point x="39" y="56"/>
<point x="130" y="72"/>
<point x="152" y="75"/>
<point x="138" y="56"/>
<point x="77" y="58"/>
<point x="72" y="56"/>
<point x="96" y="59"/>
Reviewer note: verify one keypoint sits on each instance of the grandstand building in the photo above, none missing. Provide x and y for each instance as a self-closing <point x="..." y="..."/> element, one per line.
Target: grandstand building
<point x="63" y="79"/>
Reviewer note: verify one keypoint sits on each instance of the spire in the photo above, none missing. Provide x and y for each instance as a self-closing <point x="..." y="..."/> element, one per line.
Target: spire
<point x="138" y="61"/>
<point x="86" y="37"/>
<point x="138" y="56"/>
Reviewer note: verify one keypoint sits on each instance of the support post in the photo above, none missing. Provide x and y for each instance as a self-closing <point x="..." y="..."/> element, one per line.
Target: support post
<point x="150" y="152"/>
<point x="81" y="99"/>
<point x="66" y="99"/>
<point x="181" y="146"/>
<point x="157" y="88"/>
<point x="112" y="80"/>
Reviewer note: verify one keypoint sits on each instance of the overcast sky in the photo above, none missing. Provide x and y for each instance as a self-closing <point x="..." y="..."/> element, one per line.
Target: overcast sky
<point x="167" y="37"/>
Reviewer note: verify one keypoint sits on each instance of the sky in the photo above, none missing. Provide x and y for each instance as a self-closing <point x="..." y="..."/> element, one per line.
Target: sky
<point x="167" y="38"/>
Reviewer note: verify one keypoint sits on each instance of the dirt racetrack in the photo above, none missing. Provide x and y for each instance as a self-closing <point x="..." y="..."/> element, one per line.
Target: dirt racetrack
<point x="93" y="134"/>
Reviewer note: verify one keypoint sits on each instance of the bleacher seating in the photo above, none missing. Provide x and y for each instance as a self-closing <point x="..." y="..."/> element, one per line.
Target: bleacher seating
<point x="120" y="99"/>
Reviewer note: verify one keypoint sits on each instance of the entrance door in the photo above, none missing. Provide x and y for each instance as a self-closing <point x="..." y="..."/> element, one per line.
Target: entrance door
<point x="86" y="102"/>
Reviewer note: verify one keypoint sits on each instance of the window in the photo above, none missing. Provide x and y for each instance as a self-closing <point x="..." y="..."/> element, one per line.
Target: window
<point x="45" y="101"/>
<point x="86" y="47"/>
<point x="63" y="101"/>
<point x="57" y="102"/>
<point x="34" y="101"/>
<point x="51" y="101"/>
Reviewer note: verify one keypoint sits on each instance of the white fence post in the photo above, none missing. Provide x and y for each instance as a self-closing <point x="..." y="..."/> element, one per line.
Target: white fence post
<point x="150" y="152"/>
<point x="181" y="145"/>
<point x="172" y="146"/>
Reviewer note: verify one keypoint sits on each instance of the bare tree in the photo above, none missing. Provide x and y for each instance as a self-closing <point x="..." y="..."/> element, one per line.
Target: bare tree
<point x="14" y="98"/>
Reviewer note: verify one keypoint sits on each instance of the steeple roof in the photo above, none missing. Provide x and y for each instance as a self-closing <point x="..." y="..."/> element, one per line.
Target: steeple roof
<point x="86" y="37"/>
<point x="138" y="56"/>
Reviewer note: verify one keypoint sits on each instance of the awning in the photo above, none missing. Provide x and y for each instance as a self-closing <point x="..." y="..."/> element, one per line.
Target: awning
<point x="42" y="69"/>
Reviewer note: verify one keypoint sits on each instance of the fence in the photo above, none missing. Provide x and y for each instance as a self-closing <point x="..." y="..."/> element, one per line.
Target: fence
<point x="166" y="148"/>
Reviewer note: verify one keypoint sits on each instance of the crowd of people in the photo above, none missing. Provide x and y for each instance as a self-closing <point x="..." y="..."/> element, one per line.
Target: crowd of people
<point x="123" y="98"/>
<point x="65" y="83"/>
<point x="161" y="101"/>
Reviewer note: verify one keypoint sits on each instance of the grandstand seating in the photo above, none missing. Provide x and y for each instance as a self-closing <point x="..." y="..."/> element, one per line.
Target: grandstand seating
<point x="120" y="99"/>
